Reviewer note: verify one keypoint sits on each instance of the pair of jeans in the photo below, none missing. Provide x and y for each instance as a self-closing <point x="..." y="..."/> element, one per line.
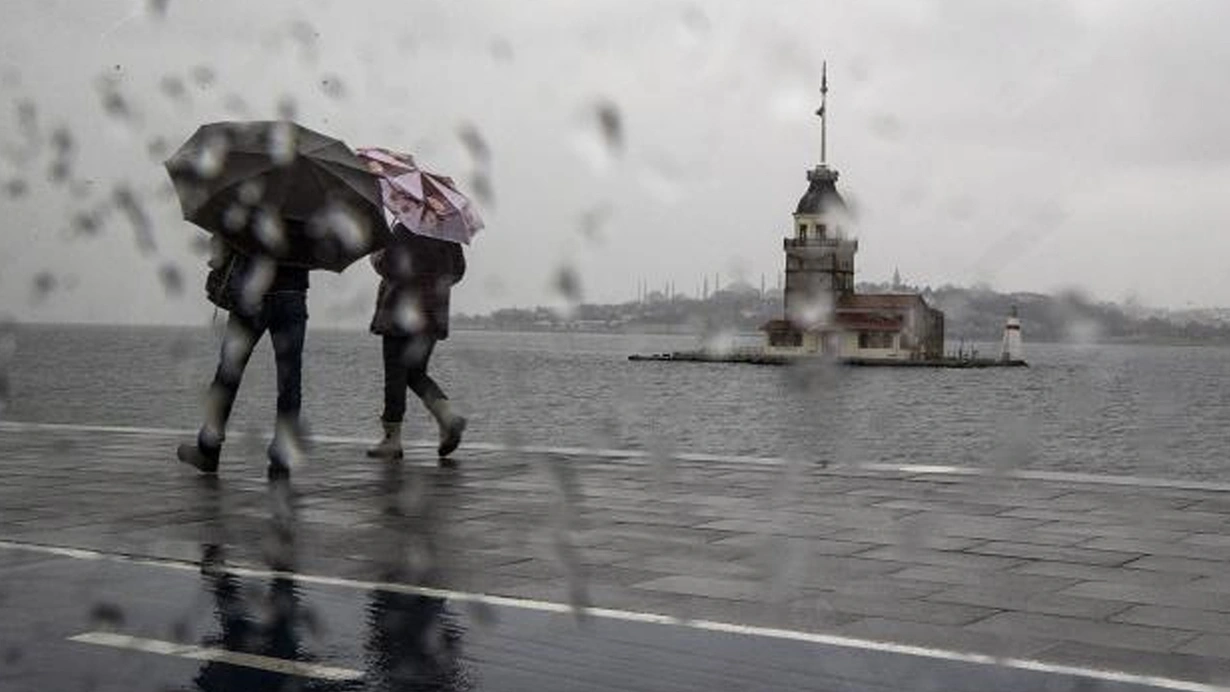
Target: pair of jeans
<point x="405" y="365"/>
<point x="284" y="315"/>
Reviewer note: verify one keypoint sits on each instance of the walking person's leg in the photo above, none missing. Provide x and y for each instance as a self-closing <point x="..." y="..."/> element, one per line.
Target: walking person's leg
<point x="288" y="332"/>
<point x="240" y="338"/>
<point x="451" y="425"/>
<point x="392" y="350"/>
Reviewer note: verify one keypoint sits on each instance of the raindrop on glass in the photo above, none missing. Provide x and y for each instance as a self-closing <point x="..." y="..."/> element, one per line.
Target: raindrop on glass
<point x="282" y="144"/>
<point x="107" y="614"/>
<point x="173" y="88"/>
<point x="333" y="87"/>
<point x="172" y="280"/>
<point x="16" y="187"/>
<point x="142" y="228"/>
<point x="287" y="108"/>
<point x="474" y="143"/>
<point x="44" y="283"/>
<point x="610" y="124"/>
<point x="568" y="284"/>
<point x="203" y="76"/>
<point x="211" y="156"/>
<point x="484" y="192"/>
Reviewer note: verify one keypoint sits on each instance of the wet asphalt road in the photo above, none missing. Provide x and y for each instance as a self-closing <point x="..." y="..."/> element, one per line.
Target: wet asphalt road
<point x="363" y="638"/>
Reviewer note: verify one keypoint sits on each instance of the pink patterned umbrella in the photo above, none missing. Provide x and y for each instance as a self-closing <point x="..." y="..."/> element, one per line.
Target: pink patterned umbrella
<point x="426" y="203"/>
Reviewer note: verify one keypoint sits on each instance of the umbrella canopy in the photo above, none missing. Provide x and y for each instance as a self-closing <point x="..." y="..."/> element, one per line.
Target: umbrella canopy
<point x="426" y="203"/>
<point x="278" y="189"/>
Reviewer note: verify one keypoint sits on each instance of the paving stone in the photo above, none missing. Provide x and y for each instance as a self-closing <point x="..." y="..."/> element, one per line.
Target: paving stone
<point x="939" y="557"/>
<point x="1106" y="574"/>
<point x="1045" y="603"/>
<point x="1080" y="555"/>
<point x="728" y="589"/>
<point x="1206" y="621"/>
<point x="1211" y="645"/>
<point x="1077" y="630"/>
<point x="1181" y="565"/>
<point x="1152" y="595"/>
<point x="908" y="610"/>
<point x="1021" y="583"/>
<point x="1167" y="548"/>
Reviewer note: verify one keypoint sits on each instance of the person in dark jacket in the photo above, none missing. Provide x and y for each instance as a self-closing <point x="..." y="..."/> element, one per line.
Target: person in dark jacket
<point x="261" y="296"/>
<point x="417" y="274"/>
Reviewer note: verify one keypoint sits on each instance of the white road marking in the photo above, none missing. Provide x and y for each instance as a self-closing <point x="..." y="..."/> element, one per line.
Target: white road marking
<point x="203" y="653"/>
<point x="648" y="618"/>
<point x="637" y="455"/>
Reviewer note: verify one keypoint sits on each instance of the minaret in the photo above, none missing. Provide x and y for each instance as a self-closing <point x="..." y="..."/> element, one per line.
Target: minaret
<point x="819" y="258"/>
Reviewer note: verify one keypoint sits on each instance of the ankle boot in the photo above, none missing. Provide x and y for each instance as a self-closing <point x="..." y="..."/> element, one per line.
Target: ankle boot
<point x="390" y="446"/>
<point x="203" y="455"/>
<point x="451" y="425"/>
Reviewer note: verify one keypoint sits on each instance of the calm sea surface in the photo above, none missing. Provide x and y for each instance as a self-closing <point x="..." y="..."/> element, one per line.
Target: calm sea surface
<point x="1140" y="410"/>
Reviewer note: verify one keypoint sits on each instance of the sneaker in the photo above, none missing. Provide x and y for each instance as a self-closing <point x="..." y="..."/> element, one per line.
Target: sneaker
<point x="203" y="459"/>
<point x="451" y="437"/>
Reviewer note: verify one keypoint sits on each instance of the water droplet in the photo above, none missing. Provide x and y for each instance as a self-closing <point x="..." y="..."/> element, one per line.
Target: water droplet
<point x="16" y="187"/>
<point x="592" y="221"/>
<point x="107" y="614"/>
<point x="333" y="87"/>
<point x="201" y="244"/>
<point x="234" y="104"/>
<point x="158" y="148"/>
<point x="157" y="8"/>
<point x="235" y="217"/>
<point x="474" y="142"/>
<point x="610" y="123"/>
<point x="114" y="103"/>
<point x="484" y="192"/>
<point x="256" y="282"/>
<point x="142" y="228"/>
<point x="568" y="284"/>
<point x="62" y="140"/>
<point x="86" y="223"/>
<point x="59" y="171"/>
<point x="174" y="88"/>
<point x="407" y="316"/>
<point x="44" y="283"/>
<point x="270" y="231"/>
<point x="203" y="76"/>
<point x="287" y="108"/>
<point x="251" y="192"/>
<point x="283" y="144"/>
<point x="211" y="156"/>
<point x="172" y="280"/>
<point x="341" y="225"/>
<point x="500" y="49"/>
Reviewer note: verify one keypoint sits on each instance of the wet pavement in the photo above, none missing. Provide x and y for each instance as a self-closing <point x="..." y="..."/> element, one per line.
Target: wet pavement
<point x="592" y="570"/>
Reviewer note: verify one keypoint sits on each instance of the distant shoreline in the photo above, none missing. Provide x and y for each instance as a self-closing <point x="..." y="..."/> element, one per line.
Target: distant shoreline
<point x="1142" y="340"/>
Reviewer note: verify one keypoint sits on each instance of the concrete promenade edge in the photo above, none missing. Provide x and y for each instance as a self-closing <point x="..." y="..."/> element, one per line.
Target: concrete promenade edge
<point x="1109" y="574"/>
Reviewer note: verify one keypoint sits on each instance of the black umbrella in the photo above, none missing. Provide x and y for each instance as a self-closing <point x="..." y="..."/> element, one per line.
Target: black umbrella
<point x="278" y="189"/>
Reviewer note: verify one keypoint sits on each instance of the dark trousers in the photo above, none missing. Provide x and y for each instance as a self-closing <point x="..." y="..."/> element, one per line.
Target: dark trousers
<point x="284" y="315"/>
<point x="405" y="365"/>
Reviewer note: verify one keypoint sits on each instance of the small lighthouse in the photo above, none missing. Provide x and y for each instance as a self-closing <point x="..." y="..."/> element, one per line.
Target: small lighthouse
<point x="1010" y="351"/>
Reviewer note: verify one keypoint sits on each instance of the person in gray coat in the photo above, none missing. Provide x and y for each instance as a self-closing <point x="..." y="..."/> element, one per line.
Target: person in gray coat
<point x="417" y="274"/>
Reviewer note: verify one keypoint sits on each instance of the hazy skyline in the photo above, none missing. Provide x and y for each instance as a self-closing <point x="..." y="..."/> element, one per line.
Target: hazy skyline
<point x="1028" y="145"/>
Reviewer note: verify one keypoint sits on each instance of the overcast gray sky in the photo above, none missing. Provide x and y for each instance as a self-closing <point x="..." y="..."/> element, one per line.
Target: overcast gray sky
<point x="1030" y="145"/>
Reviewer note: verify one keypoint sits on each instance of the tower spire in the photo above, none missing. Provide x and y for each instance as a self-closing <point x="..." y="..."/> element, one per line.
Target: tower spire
<point x="824" y="92"/>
